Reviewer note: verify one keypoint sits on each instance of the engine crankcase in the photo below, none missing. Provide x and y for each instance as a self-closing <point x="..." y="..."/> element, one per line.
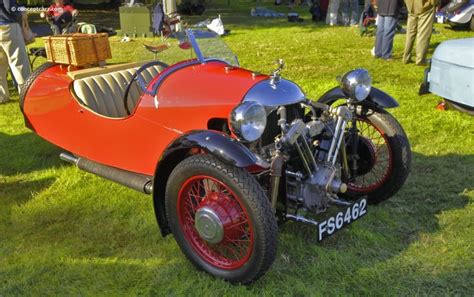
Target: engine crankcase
<point x="317" y="188"/>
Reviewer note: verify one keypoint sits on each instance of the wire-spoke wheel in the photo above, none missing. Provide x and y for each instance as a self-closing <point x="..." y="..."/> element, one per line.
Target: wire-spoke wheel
<point x="375" y="158"/>
<point x="215" y="222"/>
<point x="221" y="219"/>
<point x="383" y="157"/>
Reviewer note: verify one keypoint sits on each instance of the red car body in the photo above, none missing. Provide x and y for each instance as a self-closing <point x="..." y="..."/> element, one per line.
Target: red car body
<point x="187" y="99"/>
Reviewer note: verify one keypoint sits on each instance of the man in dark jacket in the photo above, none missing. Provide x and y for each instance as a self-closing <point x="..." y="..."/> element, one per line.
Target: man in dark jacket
<point x="12" y="47"/>
<point x="387" y="11"/>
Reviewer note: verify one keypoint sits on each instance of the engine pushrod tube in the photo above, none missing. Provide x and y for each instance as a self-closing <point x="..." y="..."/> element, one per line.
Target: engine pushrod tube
<point x="334" y="138"/>
<point x="303" y="159"/>
<point x="309" y="153"/>
<point x="341" y="136"/>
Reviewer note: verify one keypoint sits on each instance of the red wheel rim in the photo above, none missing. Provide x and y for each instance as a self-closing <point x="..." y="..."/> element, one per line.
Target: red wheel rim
<point x="383" y="160"/>
<point x="234" y="250"/>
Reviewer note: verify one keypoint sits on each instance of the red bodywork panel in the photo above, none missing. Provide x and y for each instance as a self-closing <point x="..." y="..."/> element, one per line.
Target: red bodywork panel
<point x="186" y="100"/>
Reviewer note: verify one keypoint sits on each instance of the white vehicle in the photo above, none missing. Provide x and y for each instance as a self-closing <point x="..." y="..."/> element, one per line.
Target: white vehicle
<point x="451" y="74"/>
<point x="457" y="12"/>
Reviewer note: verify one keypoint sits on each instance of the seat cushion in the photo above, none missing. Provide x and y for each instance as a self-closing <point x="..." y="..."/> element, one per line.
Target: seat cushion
<point x="87" y="72"/>
<point x="104" y="93"/>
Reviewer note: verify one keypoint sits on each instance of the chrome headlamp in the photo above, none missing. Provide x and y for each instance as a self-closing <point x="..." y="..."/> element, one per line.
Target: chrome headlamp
<point x="356" y="84"/>
<point x="248" y="121"/>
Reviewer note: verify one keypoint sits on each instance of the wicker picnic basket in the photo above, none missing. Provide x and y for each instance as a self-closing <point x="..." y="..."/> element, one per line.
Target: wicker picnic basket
<point x="78" y="49"/>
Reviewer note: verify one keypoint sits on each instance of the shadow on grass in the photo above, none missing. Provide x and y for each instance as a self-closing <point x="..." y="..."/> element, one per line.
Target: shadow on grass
<point x="458" y="27"/>
<point x="21" y="191"/>
<point x="14" y="194"/>
<point x="25" y="153"/>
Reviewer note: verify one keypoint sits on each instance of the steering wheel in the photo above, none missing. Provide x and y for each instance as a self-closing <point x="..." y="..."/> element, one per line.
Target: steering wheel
<point x="136" y="77"/>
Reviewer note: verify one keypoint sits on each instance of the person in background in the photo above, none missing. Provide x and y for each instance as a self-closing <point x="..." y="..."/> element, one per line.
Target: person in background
<point x="387" y="13"/>
<point x="419" y="26"/>
<point x="347" y="9"/>
<point x="59" y="15"/>
<point x="315" y="10"/>
<point x="350" y="12"/>
<point x="333" y="10"/>
<point x="13" y="53"/>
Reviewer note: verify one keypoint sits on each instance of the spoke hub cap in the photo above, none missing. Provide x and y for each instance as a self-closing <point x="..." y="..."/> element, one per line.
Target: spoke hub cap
<point x="209" y="225"/>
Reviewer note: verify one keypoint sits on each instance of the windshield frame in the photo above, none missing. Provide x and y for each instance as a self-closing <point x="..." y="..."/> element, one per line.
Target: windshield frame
<point x="152" y="88"/>
<point x="199" y="53"/>
<point x="195" y="45"/>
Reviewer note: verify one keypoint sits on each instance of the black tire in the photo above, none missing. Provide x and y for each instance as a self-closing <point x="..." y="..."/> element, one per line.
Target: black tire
<point x="251" y="198"/>
<point x="33" y="76"/>
<point x="398" y="164"/>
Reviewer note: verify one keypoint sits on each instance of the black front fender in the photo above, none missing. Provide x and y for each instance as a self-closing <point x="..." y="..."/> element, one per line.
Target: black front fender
<point x="376" y="96"/>
<point x="216" y="143"/>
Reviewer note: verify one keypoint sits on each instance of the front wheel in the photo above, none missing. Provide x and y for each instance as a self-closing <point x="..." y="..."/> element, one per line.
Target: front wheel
<point x="221" y="219"/>
<point x="382" y="156"/>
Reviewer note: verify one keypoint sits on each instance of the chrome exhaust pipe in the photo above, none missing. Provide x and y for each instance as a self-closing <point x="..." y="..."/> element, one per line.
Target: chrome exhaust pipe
<point x="139" y="182"/>
<point x="69" y="158"/>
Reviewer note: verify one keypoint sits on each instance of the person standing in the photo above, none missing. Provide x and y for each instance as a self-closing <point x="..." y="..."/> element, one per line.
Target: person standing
<point x="350" y="12"/>
<point x="387" y="11"/>
<point x="12" y="48"/>
<point x="333" y="11"/>
<point x="419" y="26"/>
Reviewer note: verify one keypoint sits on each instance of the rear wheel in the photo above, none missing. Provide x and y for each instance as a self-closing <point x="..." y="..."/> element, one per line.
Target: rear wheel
<point x="221" y="219"/>
<point x="383" y="156"/>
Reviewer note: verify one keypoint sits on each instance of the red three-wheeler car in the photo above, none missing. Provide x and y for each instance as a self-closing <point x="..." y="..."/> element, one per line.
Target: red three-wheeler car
<point x="226" y="153"/>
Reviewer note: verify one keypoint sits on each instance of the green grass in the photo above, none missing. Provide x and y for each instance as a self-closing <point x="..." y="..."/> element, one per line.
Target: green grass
<point x="65" y="232"/>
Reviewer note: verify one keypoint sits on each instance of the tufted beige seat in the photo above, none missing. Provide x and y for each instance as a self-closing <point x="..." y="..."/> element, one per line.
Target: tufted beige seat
<point x="104" y="93"/>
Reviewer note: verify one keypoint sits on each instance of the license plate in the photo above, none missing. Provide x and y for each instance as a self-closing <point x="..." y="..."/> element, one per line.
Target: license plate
<point x="343" y="218"/>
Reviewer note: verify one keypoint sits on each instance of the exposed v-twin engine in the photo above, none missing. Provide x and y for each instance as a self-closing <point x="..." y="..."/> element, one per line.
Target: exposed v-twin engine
<point x="317" y="181"/>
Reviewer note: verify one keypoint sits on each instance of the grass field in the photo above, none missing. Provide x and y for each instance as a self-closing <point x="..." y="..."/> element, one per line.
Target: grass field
<point x="65" y="232"/>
